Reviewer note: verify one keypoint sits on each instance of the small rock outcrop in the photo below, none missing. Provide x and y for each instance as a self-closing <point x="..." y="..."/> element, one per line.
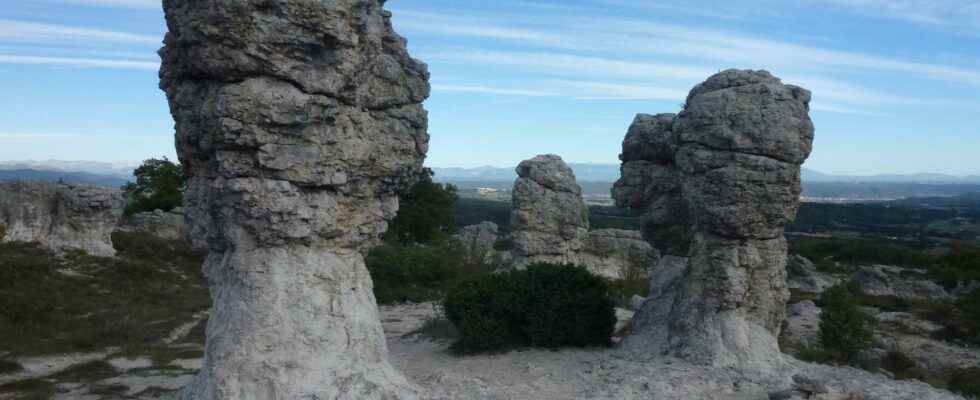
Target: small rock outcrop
<point x="298" y="122"/>
<point x="618" y="254"/>
<point x="719" y="181"/>
<point x="478" y="240"/>
<point x="885" y="280"/>
<point x="61" y="216"/>
<point x="549" y="221"/>
<point x="162" y="224"/>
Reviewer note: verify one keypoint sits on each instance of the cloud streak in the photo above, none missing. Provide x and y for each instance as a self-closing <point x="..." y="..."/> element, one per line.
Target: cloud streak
<point x="21" y="31"/>
<point x="79" y="62"/>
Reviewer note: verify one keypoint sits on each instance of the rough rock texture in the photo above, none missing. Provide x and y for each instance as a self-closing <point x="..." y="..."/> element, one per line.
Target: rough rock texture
<point x="802" y="326"/>
<point x="549" y="221"/>
<point x="803" y="275"/>
<point x="478" y="240"/>
<point x="718" y="181"/>
<point x="617" y="254"/>
<point x="61" y="216"/>
<point x="162" y="224"/>
<point x="883" y="280"/>
<point x="298" y="121"/>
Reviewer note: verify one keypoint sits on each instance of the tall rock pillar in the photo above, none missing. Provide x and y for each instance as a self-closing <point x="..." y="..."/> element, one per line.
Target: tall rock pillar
<point x="549" y="220"/>
<point x="719" y="181"/>
<point x="297" y="122"/>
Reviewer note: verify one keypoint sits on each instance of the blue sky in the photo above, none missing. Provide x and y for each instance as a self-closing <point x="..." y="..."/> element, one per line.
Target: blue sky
<point x="896" y="83"/>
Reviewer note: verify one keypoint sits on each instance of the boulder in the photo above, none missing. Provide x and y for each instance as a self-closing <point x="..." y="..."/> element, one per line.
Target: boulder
<point x="162" y="224"/>
<point x="884" y="280"/>
<point x="477" y="241"/>
<point x="718" y="182"/>
<point x="803" y="276"/>
<point x="549" y="221"/>
<point x="802" y="326"/>
<point x="61" y="216"/>
<point x="617" y="254"/>
<point x="298" y="122"/>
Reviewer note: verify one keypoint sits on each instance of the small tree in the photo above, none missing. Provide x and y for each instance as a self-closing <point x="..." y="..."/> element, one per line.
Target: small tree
<point x="845" y="329"/>
<point x="158" y="186"/>
<point x="425" y="213"/>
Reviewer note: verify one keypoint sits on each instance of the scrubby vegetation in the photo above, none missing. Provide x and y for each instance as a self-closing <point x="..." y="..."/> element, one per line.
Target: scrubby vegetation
<point x="77" y="302"/>
<point x="3" y="232"/>
<point x="544" y="305"/>
<point x="845" y="329"/>
<point x="416" y="273"/>
<point x="425" y="213"/>
<point x="158" y="186"/>
<point x="959" y="262"/>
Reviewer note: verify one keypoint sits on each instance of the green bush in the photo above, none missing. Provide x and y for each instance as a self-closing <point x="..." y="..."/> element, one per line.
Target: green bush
<point x="425" y="212"/>
<point x="845" y="330"/>
<point x="412" y="273"/>
<point x="964" y="381"/>
<point x="544" y="305"/>
<point x="416" y="273"/>
<point x="158" y="186"/>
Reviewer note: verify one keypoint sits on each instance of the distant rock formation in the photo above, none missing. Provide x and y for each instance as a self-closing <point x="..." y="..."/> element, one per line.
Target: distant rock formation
<point x="617" y="254"/>
<point x="298" y="122"/>
<point x="168" y="225"/>
<point x="718" y="181"/>
<point x="478" y="241"/>
<point x="549" y="221"/>
<point x="61" y="216"/>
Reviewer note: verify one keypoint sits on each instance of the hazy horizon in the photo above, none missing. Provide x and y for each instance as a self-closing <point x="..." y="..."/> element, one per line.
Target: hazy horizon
<point x="894" y="82"/>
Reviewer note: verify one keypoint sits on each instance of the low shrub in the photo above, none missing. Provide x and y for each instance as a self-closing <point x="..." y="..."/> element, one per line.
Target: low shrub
<point x="544" y="305"/>
<point x="903" y="367"/>
<point x="845" y="329"/>
<point x="964" y="381"/>
<point x="3" y="232"/>
<point x="416" y="273"/>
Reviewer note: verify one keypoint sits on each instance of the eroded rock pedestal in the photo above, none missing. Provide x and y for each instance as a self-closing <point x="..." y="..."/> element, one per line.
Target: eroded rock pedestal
<point x="718" y="181"/>
<point x="297" y="121"/>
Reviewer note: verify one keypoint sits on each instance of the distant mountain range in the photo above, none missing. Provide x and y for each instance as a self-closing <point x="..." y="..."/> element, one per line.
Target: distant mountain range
<point x="90" y="172"/>
<point x="610" y="173"/>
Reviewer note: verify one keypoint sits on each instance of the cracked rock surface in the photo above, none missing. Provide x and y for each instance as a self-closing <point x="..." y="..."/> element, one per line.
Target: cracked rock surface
<point x="61" y="216"/>
<point x="298" y="121"/>
<point x="718" y="181"/>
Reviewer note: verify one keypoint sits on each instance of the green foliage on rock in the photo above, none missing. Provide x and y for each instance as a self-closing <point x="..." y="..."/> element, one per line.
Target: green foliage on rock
<point x="425" y="212"/>
<point x="544" y="305"/>
<point x="158" y="186"/>
<point x="845" y="329"/>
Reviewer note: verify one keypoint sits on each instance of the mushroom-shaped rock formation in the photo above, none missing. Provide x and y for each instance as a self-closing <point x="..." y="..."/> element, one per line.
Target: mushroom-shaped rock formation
<point x="718" y="181"/>
<point x="298" y="121"/>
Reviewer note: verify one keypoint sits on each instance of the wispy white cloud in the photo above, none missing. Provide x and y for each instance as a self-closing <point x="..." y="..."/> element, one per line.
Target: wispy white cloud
<point x="30" y="137"/>
<point x="941" y="13"/>
<point x="585" y="90"/>
<point x="79" y="62"/>
<point x="491" y="90"/>
<point x="557" y="63"/>
<point x="134" y="4"/>
<point x="38" y="32"/>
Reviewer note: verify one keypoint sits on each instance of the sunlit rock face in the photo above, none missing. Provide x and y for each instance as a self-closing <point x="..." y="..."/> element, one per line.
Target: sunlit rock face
<point x="718" y="181"/>
<point x="297" y="121"/>
<point x="549" y="220"/>
<point x="61" y="216"/>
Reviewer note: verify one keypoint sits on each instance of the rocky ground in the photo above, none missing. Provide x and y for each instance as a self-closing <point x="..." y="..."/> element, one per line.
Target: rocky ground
<point x="419" y="346"/>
